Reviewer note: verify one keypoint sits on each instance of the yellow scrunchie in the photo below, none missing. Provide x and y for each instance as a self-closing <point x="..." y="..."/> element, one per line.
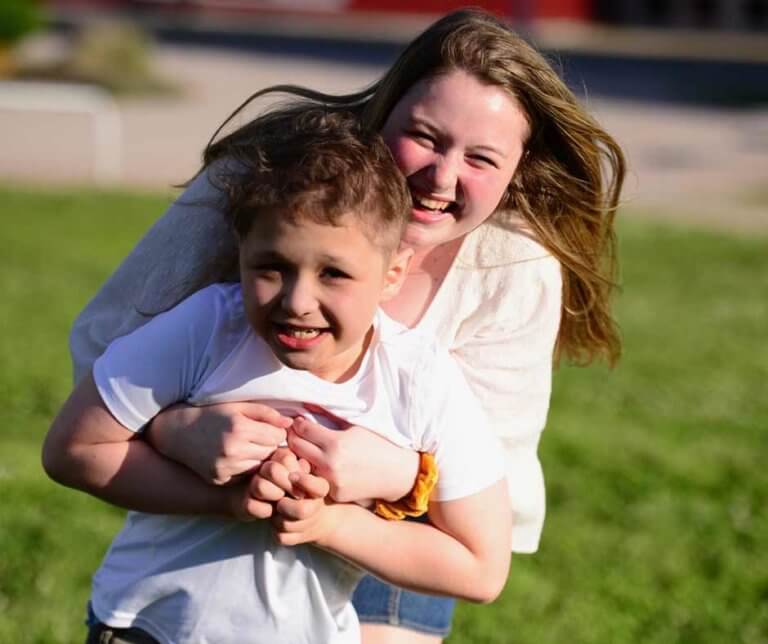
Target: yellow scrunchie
<point x="416" y="503"/>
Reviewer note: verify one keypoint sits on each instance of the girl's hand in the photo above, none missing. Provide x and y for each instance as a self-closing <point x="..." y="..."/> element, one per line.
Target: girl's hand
<point x="357" y="463"/>
<point x="218" y="442"/>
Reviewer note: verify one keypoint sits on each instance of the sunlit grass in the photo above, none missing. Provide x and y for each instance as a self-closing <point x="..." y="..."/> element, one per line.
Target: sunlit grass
<point x="657" y="489"/>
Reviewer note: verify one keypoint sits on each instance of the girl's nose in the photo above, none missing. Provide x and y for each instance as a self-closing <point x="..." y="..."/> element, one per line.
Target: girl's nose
<point x="298" y="298"/>
<point x="444" y="174"/>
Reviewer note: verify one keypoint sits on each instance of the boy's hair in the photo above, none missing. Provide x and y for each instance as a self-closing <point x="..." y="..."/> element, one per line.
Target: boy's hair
<point x="322" y="166"/>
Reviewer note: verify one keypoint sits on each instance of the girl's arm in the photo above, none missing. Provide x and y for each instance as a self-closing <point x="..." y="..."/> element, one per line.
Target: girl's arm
<point x="223" y="441"/>
<point x="87" y="449"/>
<point x="92" y="444"/>
<point x="218" y="442"/>
<point x="189" y="247"/>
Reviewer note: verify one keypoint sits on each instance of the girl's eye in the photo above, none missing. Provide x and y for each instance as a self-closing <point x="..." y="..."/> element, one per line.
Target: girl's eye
<point x="421" y="135"/>
<point x="483" y="161"/>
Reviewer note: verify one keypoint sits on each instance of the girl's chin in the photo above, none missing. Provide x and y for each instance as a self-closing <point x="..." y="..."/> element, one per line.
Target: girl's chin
<point x="423" y="237"/>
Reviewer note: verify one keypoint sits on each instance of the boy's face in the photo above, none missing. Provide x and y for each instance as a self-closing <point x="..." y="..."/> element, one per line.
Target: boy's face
<point x="311" y="290"/>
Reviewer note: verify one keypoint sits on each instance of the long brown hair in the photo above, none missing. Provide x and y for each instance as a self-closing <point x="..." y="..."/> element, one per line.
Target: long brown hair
<point x="566" y="188"/>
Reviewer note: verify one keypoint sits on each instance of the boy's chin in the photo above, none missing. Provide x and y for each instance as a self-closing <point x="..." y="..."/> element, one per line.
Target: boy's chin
<point x="299" y="363"/>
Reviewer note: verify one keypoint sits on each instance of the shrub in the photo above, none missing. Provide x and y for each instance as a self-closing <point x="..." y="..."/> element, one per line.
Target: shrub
<point x="17" y="19"/>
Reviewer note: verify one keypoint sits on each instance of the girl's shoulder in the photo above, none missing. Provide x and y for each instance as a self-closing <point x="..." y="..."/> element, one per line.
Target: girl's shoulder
<point x="503" y="241"/>
<point x="506" y="251"/>
<point x="502" y="274"/>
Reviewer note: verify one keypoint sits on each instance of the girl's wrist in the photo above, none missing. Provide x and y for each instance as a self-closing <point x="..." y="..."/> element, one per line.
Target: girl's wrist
<point x="408" y="471"/>
<point x="160" y="432"/>
<point x="416" y="502"/>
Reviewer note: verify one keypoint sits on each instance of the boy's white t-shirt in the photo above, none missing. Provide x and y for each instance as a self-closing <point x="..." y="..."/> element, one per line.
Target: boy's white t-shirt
<point x="202" y="579"/>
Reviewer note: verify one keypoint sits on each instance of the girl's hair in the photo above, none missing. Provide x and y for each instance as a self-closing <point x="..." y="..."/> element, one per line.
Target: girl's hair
<point x="566" y="188"/>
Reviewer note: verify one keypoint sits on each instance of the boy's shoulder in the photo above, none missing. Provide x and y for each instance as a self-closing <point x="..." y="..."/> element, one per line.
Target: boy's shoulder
<point x="394" y="336"/>
<point x="218" y="304"/>
<point x="216" y="316"/>
<point x="412" y="354"/>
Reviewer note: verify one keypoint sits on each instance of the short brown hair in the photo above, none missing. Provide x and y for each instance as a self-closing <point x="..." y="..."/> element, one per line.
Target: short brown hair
<point x="320" y="165"/>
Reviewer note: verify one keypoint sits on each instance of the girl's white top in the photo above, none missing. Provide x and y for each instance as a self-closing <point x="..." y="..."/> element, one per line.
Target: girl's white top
<point x="497" y="312"/>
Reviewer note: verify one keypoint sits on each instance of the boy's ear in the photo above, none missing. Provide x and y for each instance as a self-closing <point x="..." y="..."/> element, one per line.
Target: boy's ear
<point x="396" y="272"/>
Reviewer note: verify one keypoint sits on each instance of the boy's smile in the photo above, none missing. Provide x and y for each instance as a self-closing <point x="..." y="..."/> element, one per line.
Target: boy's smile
<point x="311" y="290"/>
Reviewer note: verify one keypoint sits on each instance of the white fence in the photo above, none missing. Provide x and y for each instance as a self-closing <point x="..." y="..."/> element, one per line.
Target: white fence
<point x="26" y="107"/>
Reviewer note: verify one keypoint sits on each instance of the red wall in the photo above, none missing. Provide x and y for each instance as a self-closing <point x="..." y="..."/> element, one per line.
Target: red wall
<point x="531" y="9"/>
<point x="573" y="9"/>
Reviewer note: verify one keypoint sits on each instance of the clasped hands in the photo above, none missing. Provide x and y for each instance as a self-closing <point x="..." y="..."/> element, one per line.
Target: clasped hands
<point x="296" y="501"/>
<point x="284" y="490"/>
<point x="236" y="445"/>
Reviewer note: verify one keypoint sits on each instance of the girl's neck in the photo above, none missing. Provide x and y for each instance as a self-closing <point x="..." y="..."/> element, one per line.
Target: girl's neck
<point x="426" y="272"/>
<point x="434" y="260"/>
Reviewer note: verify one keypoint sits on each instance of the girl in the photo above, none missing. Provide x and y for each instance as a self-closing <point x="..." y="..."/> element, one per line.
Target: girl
<point x="514" y="190"/>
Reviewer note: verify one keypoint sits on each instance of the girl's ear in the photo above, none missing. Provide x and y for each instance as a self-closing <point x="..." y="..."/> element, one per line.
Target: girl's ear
<point x="396" y="272"/>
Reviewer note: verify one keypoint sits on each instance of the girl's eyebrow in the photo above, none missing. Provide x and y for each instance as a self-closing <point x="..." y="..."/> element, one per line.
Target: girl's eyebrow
<point x="490" y="148"/>
<point x="482" y="147"/>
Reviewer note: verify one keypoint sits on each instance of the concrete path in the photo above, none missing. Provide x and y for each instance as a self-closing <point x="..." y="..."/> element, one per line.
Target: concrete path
<point x="707" y="166"/>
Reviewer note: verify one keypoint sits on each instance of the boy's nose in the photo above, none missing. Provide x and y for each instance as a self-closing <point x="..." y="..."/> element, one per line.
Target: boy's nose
<point x="298" y="298"/>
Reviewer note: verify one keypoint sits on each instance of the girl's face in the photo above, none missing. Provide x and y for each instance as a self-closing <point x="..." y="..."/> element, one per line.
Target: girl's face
<point x="458" y="142"/>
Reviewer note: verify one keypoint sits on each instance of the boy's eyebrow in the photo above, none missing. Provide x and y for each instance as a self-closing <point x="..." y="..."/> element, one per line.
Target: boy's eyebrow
<point x="273" y="255"/>
<point x="331" y="259"/>
<point x="265" y="255"/>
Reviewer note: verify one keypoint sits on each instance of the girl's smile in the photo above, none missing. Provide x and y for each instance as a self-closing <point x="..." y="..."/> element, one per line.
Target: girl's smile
<point x="458" y="141"/>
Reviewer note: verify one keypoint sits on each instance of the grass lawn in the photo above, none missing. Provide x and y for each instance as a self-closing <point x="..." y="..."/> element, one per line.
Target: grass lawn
<point x="657" y="485"/>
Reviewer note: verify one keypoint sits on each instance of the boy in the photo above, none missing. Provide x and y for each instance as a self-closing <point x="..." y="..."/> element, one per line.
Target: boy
<point x="318" y="213"/>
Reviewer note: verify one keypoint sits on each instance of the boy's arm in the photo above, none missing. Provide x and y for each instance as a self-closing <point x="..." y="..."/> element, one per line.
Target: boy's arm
<point x="465" y="554"/>
<point x="87" y="449"/>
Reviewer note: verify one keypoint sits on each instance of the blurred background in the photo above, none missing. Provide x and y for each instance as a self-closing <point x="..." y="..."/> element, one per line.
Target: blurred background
<point x="657" y="490"/>
<point x="683" y="84"/>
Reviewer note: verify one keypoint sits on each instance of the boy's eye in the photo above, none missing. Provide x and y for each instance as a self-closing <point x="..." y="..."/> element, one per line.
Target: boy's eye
<point x="267" y="270"/>
<point x="334" y="273"/>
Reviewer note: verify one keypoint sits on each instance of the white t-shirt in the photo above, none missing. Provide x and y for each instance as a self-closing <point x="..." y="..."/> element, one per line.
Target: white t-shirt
<point x="202" y="579"/>
<point x="497" y="312"/>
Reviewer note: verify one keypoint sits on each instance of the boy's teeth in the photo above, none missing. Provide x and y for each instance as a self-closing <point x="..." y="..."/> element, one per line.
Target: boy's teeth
<point x="303" y="334"/>
<point x="433" y="204"/>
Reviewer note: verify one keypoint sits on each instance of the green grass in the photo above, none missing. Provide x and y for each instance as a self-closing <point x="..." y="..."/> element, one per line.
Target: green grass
<point x="657" y="483"/>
